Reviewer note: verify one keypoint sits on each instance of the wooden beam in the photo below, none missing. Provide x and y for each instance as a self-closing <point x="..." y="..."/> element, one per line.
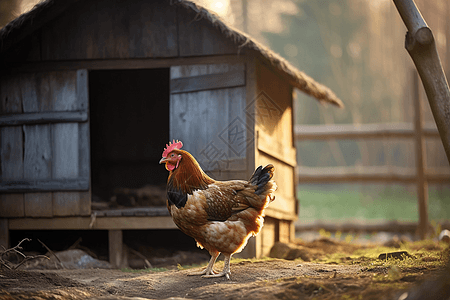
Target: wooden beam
<point x="207" y="82"/>
<point x="4" y="233"/>
<point x="348" y="177"/>
<point x="421" y="46"/>
<point x="43" y="118"/>
<point x="24" y="186"/>
<point x="117" y="255"/>
<point x="86" y="223"/>
<point x="361" y="131"/>
<point x="366" y="174"/>
<point x="280" y="214"/>
<point x="119" y="64"/>
<point x="358" y="226"/>
<point x="12" y="205"/>
<point x="134" y="211"/>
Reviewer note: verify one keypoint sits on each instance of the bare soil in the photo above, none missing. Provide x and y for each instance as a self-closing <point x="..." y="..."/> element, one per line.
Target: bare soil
<point x="353" y="278"/>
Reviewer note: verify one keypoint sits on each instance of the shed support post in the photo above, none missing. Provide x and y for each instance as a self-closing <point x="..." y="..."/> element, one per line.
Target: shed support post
<point x="4" y="233"/>
<point x="117" y="253"/>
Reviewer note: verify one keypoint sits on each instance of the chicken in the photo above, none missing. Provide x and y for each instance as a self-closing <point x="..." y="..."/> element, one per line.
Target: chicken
<point x="219" y="215"/>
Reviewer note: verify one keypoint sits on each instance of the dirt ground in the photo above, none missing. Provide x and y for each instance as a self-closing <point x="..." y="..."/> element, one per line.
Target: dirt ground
<point x="325" y="276"/>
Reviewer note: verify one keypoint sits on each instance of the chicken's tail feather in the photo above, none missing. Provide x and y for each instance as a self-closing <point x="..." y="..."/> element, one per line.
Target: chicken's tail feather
<point x="262" y="179"/>
<point x="261" y="195"/>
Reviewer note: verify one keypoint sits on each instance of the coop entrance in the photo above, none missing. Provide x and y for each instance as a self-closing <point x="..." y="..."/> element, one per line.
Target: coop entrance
<point x="129" y="126"/>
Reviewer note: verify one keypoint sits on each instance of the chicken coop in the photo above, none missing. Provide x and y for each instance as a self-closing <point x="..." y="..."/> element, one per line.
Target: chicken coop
<point x="91" y="91"/>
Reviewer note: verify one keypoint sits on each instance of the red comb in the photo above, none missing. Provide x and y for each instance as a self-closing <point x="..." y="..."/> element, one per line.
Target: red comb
<point x="172" y="146"/>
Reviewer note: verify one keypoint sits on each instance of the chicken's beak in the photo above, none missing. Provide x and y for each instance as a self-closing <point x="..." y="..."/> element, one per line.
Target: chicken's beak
<point x="163" y="160"/>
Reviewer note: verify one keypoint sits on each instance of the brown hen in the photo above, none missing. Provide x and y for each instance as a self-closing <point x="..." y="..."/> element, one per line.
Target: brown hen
<point x="219" y="215"/>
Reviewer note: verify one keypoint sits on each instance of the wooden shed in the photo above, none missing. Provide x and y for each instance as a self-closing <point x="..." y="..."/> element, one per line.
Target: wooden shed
<point x="92" y="90"/>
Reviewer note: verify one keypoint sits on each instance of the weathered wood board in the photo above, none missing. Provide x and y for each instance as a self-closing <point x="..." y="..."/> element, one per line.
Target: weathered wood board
<point x="286" y="231"/>
<point x="38" y="165"/>
<point x="4" y="233"/>
<point x="112" y="29"/>
<point x="38" y="205"/>
<point x="272" y="113"/>
<point x="211" y="123"/>
<point x="11" y="205"/>
<point x="268" y="235"/>
<point x="44" y="155"/>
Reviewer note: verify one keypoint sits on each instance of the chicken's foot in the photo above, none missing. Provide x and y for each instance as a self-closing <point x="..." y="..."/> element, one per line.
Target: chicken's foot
<point x="209" y="270"/>
<point x="226" y="269"/>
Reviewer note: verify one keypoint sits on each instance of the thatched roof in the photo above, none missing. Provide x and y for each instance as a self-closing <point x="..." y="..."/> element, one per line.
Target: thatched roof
<point x="46" y="10"/>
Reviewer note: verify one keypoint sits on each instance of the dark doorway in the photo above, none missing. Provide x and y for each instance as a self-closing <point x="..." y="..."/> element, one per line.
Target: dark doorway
<point x="129" y="120"/>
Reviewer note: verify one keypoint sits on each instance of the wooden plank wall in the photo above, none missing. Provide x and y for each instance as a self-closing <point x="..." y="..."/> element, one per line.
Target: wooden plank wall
<point x="272" y="112"/>
<point x="274" y="230"/>
<point x="210" y="122"/>
<point x="115" y="29"/>
<point x="275" y="144"/>
<point x="52" y="152"/>
<point x="268" y="235"/>
<point x="112" y="29"/>
<point x="12" y="147"/>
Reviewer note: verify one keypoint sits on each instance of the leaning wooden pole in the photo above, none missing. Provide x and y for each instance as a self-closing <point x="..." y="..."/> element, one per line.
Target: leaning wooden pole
<point x="421" y="47"/>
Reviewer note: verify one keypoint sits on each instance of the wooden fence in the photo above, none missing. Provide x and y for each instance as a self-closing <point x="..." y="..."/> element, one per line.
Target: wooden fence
<point x="417" y="131"/>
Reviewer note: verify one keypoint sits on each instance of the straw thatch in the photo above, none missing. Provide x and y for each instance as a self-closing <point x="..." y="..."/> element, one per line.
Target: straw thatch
<point x="46" y="10"/>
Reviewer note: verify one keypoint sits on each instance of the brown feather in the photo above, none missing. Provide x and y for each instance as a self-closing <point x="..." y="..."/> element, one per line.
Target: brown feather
<point x="189" y="176"/>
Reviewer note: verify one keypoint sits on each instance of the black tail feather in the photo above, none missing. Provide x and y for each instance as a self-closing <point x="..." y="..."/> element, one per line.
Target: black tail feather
<point x="261" y="177"/>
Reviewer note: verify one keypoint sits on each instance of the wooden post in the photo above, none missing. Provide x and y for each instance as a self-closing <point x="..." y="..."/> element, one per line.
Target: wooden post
<point x="422" y="49"/>
<point x="4" y="233"/>
<point x="447" y="29"/>
<point x="422" y="184"/>
<point x="117" y="255"/>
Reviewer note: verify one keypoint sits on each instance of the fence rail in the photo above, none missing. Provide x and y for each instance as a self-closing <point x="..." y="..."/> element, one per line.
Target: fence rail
<point x="369" y="174"/>
<point x="366" y="173"/>
<point x="362" y="131"/>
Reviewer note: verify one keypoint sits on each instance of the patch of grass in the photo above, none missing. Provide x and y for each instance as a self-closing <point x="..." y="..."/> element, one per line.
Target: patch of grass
<point x="413" y="259"/>
<point x="423" y="254"/>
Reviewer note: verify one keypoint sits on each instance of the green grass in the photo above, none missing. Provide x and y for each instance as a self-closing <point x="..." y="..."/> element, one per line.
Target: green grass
<point x="369" y="202"/>
<point x="428" y="253"/>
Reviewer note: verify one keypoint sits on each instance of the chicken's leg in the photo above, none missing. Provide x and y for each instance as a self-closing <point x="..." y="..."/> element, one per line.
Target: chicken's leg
<point x="209" y="268"/>
<point x="226" y="269"/>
